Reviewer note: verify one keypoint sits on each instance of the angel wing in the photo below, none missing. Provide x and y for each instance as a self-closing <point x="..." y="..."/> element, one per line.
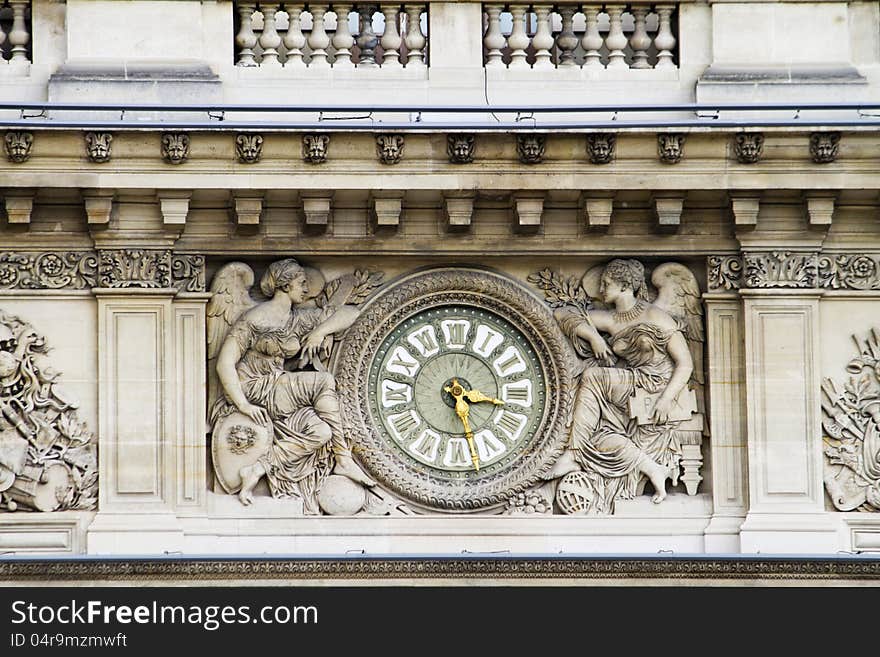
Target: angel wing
<point x="679" y="295"/>
<point x="230" y="298"/>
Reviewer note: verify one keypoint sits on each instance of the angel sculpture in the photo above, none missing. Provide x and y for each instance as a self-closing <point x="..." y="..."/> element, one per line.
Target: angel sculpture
<point x="633" y="407"/>
<point x="269" y="421"/>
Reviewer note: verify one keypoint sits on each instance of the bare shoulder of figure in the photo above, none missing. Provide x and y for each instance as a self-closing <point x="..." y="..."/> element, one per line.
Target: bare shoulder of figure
<point x="601" y="318"/>
<point x="661" y="318"/>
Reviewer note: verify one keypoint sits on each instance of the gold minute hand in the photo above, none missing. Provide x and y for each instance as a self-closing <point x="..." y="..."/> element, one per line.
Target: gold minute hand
<point x="463" y="410"/>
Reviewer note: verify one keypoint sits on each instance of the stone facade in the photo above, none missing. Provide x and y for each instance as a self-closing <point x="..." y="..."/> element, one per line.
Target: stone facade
<point x="297" y="335"/>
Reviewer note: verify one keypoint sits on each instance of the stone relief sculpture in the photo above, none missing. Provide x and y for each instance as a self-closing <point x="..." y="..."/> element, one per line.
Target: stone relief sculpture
<point x="249" y="148"/>
<point x="851" y="438"/>
<point x="314" y="148"/>
<point x="389" y="148"/>
<point x="670" y="147"/>
<point x="175" y="147"/>
<point x="530" y="148"/>
<point x="98" y="146"/>
<point x="748" y="147"/>
<point x="461" y="148"/>
<point x="18" y="146"/>
<point x="600" y="147"/>
<point x="48" y="458"/>
<point x="824" y="147"/>
<point x="274" y="408"/>
<point x="635" y="417"/>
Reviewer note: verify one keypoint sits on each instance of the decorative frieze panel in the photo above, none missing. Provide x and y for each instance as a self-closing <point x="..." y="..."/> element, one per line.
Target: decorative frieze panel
<point x="134" y="268"/>
<point x="48" y="457"/>
<point x="56" y="270"/>
<point x="851" y="436"/>
<point x="785" y="269"/>
<point x="188" y="272"/>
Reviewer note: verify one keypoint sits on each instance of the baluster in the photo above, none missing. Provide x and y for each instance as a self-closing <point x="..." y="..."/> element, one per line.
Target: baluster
<point x="342" y="40"/>
<point x="616" y="40"/>
<point x="367" y="40"/>
<point x="391" y="37"/>
<point x="246" y="39"/>
<point x="543" y="39"/>
<point x="294" y="40"/>
<point x="318" y="39"/>
<point x="592" y="40"/>
<point x="270" y="39"/>
<point x="18" y="35"/>
<point x="518" y="39"/>
<point x="415" y="40"/>
<point x="664" y="41"/>
<point x="566" y="40"/>
<point x="494" y="40"/>
<point x="640" y="41"/>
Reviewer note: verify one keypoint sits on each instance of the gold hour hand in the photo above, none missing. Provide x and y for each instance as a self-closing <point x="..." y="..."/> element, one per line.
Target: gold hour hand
<point x="475" y="397"/>
<point x="463" y="410"/>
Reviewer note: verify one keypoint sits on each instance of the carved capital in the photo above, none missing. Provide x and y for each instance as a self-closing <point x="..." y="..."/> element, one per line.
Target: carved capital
<point x="530" y="148"/>
<point x="725" y="273"/>
<point x="134" y="268"/>
<point x="670" y="147"/>
<point x="600" y="147"/>
<point x="824" y="147"/>
<point x="98" y="146"/>
<point x="249" y="148"/>
<point x="748" y="147"/>
<point x="315" y="147"/>
<point x="18" y="146"/>
<point x="188" y="272"/>
<point x="54" y="270"/>
<point x="175" y="147"/>
<point x="389" y="148"/>
<point x="461" y="148"/>
<point x="783" y="269"/>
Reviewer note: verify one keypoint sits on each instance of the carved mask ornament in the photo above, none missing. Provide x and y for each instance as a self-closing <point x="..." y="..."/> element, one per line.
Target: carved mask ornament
<point x="670" y="148"/>
<point x="460" y="148"/>
<point x="748" y="147"/>
<point x="531" y="148"/>
<point x="18" y="146"/>
<point x="98" y="146"/>
<point x="175" y="147"/>
<point x="600" y="147"/>
<point x="389" y="148"/>
<point x="249" y="148"/>
<point x="314" y="148"/>
<point x="824" y="146"/>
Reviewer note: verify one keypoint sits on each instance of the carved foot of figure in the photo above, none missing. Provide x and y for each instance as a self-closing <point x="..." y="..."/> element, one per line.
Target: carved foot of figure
<point x="564" y="465"/>
<point x="658" y="476"/>
<point x="250" y="477"/>
<point x="346" y="467"/>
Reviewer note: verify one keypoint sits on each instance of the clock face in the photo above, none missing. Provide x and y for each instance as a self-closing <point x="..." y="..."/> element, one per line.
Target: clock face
<point x="439" y="348"/>
<point x="412" y="384"/>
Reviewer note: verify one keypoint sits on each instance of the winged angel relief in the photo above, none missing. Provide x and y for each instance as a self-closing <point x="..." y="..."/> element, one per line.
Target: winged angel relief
<point x="640" y="396"/>
<point x="274" y="411"/>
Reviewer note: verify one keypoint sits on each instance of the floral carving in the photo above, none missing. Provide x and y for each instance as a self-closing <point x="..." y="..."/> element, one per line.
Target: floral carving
<point x="18" y="146"/>
<point x="175" y="147"/>
<point x="824" y="147"/>
<point x="670" y="147"/>
<point x="249" y="148"/>
<point x="781" y="269"/>
<point x="725" y="272"/>
<point x="52" y="271"/>
<point x="188" y="272"/>
<point x="389" y="148"/>
<point x="748" y="147"/>
<point x="461" y="148"/>
<point x="98" y="146"/>
<point x="314" y="148"/>
<point x="600" y="147"/>
<point x="48" y="458"/>
<point x="850" y="272"/>
<point x="531" y="148"/>
<point x="851" y="437"/>
<point x="127" y="268"/>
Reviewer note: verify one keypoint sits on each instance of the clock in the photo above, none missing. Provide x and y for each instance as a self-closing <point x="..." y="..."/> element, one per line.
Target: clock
<point x="455" y="387"/>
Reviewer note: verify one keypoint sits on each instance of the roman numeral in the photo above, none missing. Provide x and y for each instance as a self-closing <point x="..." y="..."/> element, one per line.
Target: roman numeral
<point x="519" y="392"/>
<point x="455" y="332"/>
<point x="404" y="423"/>
<point x="511" y="423"/>
<point x="486" y="340"/>
<point x="488" y="445"/>
<point x="402" y="362"/>
<point x="426" y="445"/>
<point x="510" y="362"/>
<point x="425" y="341"/>
<point x="392" y="395"/>
<point x="457" y="453"/>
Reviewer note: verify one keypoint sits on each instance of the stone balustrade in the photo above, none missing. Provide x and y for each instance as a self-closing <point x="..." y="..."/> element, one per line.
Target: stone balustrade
<point x="299" y="35"/>
<point x="588" y="36"/>
<point x="15" y="32"/>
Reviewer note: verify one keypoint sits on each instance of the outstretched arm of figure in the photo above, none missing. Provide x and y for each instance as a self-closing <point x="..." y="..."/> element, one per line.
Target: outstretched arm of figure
<point x="229" y="356"/>
<point x="340" y="320"/>
<point x="681" y="374"/>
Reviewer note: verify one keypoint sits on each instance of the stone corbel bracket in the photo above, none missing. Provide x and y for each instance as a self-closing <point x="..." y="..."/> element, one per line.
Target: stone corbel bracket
<point x="387" y="208"/>
<point x="745" y="211"/>
<point x="598" y="211"/>
<point x="529" y="210"/>
<point x="99" y="207"/>
<point x="668" y="208"/>
<point x="248" y="209"/>
<point x="459" y="209"/>
<point x="19" y="206"/>
<point x="820" y="209"/>
<point x="317" y="208"/>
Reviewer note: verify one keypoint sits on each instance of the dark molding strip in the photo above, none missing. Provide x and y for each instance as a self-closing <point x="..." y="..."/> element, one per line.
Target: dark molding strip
<point x="579" y="570"/>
